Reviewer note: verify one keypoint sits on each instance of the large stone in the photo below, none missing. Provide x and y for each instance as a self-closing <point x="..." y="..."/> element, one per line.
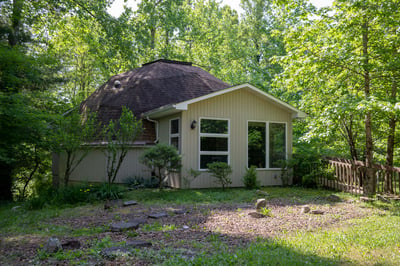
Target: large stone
<point x="71" y="244"/>
<point x="261" y="203"/>
<point x="138" y="244"/>
<point x="52" y="245"/>
<point x="257" y="215"/>
<point x="113" y="252"/>
<point x="318" y="212"/>
<point x="130" y="203"/>
<point x="122" y="226"/>
<point x="305" y="209"/>
<point x="158" y="215"/>
<point x="334" y="198"/>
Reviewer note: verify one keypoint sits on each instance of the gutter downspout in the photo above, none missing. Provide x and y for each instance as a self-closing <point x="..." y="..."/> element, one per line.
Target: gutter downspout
<point x="157" y="125"/>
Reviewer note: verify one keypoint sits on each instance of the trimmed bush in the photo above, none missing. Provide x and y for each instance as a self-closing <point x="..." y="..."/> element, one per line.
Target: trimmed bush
<point x="221" y="171"/>
<point x="250" y="178"/>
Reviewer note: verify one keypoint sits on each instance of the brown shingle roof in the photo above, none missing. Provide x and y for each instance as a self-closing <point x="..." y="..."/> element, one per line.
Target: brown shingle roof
<point x="151" y="86"/>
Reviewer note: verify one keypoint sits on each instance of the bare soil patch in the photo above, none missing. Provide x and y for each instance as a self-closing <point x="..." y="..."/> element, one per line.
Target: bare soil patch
<point x="189" y="229"/>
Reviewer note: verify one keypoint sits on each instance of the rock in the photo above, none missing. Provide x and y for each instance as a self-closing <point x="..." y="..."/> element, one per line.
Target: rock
<point x="53" y="245"/>
<point x="257" y="215"/>
<point x="318" y="212"/>
<point x="138" y="244"/>
<point x="71" y="244"/>
<point x="366" y="199"/>
<point x="305" y="209"/>
<point x="334" y="198"/>
<point x="130" y="203"/>
<point x="15" y="208"/>
<point x="113" y="204"/>
<point x="261" y="203"/>
<point x="260" y="192"/>
<point x="139" y="221"/>
<point x="119" y="227"/>
<point x="112" y="252"/>
<point x="382" y="198"/>
<point x="185" y="227"/>
<point x="158" y="215"/>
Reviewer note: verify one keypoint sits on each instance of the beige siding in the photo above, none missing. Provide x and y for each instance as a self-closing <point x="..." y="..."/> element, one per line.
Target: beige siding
<point x="164" y="127"/>
<point x="238" y="107"/>
<point x="93" y="168"/>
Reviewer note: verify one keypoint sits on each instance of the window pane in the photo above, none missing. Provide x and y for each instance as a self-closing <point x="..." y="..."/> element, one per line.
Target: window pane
<point x="213" y="144"/>
<point x="205" y="159"/>
<point x="175" y="142"/>
<point x="174" y="126"/>
<point x="277" y="144"/>
<point x="214" y="126"/>
<point x="256" y="144"/>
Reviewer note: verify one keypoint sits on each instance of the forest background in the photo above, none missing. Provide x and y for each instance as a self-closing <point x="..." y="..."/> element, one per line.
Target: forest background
<point x="339" y="64"/>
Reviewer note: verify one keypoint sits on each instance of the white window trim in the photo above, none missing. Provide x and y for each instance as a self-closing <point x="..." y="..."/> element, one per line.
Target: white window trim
<point x="216" y="136"/>
<point x="266" y="142"/>
<point x="175" y="135"/>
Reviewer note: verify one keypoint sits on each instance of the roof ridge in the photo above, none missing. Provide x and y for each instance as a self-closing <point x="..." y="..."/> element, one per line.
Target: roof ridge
<point x="168" y="62"/>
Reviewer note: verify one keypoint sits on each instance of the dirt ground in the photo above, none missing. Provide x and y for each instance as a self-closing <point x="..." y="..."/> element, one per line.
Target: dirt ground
<point x="187" y="228"/>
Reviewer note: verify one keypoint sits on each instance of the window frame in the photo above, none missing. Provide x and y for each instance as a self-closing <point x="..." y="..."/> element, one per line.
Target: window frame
<point x="267" y="144"/>
<point x="175" y="135"/>
<point x="213" y="135"/>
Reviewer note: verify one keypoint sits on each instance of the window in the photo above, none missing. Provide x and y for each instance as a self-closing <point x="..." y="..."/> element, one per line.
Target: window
<point x="174" y="133"/>
<point x="277" y="144"/>
<point x="266" y="144"/>
<point x="214" y="141"/>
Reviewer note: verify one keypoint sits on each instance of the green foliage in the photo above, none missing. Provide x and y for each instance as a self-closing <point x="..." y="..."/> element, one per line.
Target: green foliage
<point x="221" y="171"/>
<point x="72" y="134"/>
<point x="266" y="211"/>
<point x="120" y="135"/>
<point x="250" y="178"/>
<point x="73" y="195"/>
<point x="164" y="159"/>
<point x="139" y="182"/>
<point x="192" y="175"/>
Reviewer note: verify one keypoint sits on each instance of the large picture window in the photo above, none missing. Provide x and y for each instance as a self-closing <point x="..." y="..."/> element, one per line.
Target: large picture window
<point x="266" y="144"/>
<point x="214" y="141"/>
<point x="174" y="135"/>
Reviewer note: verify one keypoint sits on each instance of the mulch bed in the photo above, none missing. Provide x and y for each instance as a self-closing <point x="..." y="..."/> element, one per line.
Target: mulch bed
<point x="189" y="227"/>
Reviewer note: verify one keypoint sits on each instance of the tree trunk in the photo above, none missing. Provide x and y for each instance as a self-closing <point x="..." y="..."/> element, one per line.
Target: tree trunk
<point x="16" y="23"/>
<point x="390" y="142"/>
<point x="369" y="181"/>
<point x="5" y="181"/>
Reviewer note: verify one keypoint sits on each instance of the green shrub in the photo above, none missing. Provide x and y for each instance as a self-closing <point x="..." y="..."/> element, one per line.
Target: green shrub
<point x="250" y="178"/>
<point x="138" y="182"/>
<point x="164" y="159"/>
<point x="221" y="171"/>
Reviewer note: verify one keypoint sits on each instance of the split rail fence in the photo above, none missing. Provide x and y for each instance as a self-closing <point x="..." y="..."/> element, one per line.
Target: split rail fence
<point x="348" y="176"/>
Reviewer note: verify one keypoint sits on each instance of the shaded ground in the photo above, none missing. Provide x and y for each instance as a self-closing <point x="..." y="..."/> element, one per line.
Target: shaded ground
<point x="186" y="231"/>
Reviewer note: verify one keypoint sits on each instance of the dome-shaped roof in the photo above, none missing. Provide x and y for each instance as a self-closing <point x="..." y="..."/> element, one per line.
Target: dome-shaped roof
<point x="151" y="86"/>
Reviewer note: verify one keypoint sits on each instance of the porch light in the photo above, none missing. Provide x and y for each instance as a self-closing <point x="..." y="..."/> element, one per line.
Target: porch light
<point x="193" y="124"/>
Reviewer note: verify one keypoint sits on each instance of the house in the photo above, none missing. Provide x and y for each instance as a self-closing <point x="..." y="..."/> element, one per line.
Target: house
<point x="205" y="118"/>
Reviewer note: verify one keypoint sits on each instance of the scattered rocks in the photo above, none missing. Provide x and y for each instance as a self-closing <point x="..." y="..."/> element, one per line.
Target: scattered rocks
<point x="138" y="244"/>
<point x="52" y="245"/>
<point x="130" y="203"/>
<point x="16" y="208"/>
<point x="257" y="215"/>
<point x="261" y="203"/>
<point x="260" y="192"/>
<point x="305" y="209"/>
<point x="317" y="212"/>
<point x="122" y="226"/>
<point x="366" y="199"/>
<point x="334" y="198"/>
<point x="113" y="204"/>
<point x="113" y="252"/>
<point x="71" y="244"/>
<point x="157" y="215"/>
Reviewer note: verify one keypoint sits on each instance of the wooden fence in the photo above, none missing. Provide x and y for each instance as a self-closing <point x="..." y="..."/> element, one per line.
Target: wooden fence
<point x="348" y="176"/>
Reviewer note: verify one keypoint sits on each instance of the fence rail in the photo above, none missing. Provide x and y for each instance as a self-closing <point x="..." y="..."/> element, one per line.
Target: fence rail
<point x="349" y="174"/>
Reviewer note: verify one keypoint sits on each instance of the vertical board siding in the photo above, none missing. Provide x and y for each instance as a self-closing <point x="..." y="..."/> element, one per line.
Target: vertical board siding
<point x="238" y="107"/>
<point x="93" y="168"/>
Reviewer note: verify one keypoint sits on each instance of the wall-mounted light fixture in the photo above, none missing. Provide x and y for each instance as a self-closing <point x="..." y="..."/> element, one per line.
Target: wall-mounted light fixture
<point x="193" y="124"/>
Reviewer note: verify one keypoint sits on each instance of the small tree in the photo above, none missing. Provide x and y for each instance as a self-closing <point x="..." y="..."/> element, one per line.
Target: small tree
<point x="221" y="171"/>
<point x="163" y="159"/>
<point x="119" y="136"/>
<point x="71" y="132"/>
<point x="250" y="178"/>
